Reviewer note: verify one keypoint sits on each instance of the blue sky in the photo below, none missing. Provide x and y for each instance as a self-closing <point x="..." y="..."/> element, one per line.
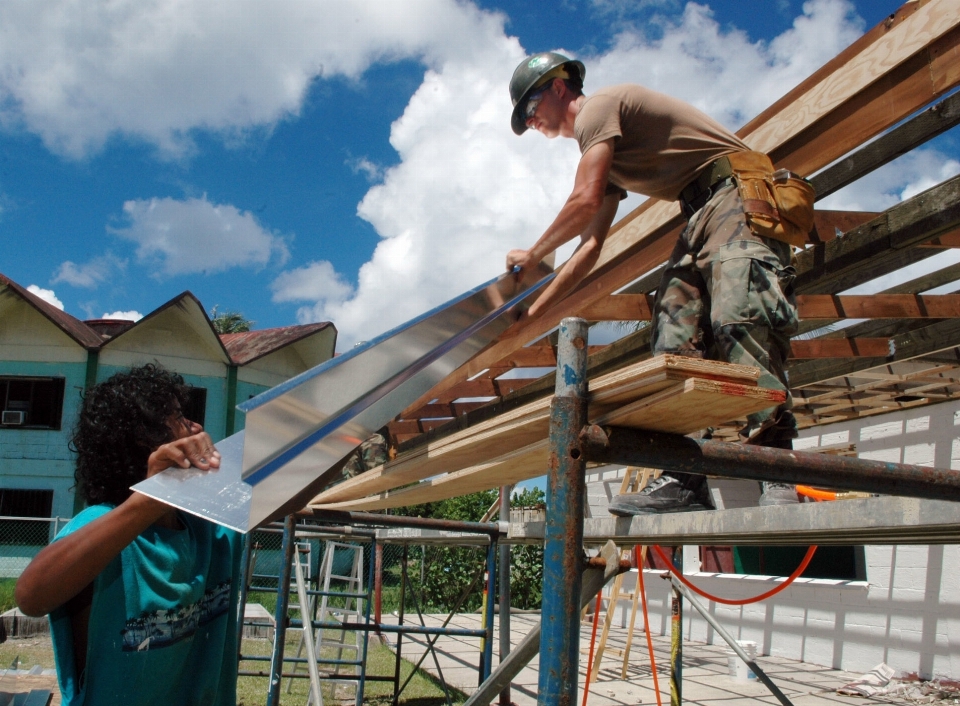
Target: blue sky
<point x="342" y="160"/>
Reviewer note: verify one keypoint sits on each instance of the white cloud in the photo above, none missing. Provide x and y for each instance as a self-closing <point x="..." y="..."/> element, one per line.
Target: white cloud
<point x="194" y="235"/>
<point x="124" y="315"/>
<point x="78" y="71"/>
<point x="47" y="295"/>
<point x="316" y="282"/>
<point x="370" y="170"/>
<point x="90" y="274"/>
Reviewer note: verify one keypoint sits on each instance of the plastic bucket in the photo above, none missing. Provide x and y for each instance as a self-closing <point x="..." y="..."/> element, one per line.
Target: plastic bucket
<point x="736" y="667"/>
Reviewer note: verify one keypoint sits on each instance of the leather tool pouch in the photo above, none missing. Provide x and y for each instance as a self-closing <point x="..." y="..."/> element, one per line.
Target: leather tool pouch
<point x="778" y="204"/>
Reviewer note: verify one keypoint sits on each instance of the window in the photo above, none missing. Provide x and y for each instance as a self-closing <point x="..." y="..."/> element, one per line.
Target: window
<point x="25" y="503"/>
<point x="841" y="562"/>
<point x="31" y="403"/>
<point x="196" y="407"/>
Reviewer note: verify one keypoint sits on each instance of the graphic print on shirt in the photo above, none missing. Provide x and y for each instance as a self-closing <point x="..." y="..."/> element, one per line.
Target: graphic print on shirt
<point x="161" y="628"/>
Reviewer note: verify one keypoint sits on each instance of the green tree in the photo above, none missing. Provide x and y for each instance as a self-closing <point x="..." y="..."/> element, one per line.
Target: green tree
<point x="447" y="571"/>
<point x="526" y="560"/>
<point x="229" y="321"/>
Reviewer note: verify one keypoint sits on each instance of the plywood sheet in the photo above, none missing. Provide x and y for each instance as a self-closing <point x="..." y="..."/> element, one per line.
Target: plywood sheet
<point x="678" y="406"/>
<point x="528" y="424"/>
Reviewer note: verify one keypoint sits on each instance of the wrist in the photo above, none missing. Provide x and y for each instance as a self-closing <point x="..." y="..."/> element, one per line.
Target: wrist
<point x="145" y="509"/>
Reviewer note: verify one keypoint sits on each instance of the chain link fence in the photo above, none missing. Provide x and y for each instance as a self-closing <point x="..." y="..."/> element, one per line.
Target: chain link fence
<point x="21" y="538"/>
<point x="437" y="575"/>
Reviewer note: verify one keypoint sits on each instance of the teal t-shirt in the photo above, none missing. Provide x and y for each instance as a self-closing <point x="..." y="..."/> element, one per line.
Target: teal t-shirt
<point x="163" y="621"/>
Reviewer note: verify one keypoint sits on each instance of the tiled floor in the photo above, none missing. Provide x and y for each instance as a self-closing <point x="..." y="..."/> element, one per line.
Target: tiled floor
<point x="706" y="678"/>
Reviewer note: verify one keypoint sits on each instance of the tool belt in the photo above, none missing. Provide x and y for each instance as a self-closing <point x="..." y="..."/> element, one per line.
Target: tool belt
<point x="777" y="204"/>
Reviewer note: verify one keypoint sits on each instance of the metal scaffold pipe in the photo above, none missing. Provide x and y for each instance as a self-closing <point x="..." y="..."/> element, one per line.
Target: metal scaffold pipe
<point x="672" y="452"/>
<point x="563" y="546"/>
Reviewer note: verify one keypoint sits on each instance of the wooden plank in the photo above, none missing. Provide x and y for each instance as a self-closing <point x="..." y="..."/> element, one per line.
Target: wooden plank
<point x="831" y="223"/>
<point x="620" y="307"/>
<point x="881" y="245"/>
<point x="692" y="405"/>
<point x="528" y="424"/>
<point x="930" y="123"/>
<point x="840" y="348"/>
<point x="527" y="463"/>
<point x="878" y="306"/>
<point x="682" y="408"/>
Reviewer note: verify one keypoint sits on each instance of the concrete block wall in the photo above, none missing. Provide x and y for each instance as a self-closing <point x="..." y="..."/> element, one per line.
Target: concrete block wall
<point x="906" y="613"/>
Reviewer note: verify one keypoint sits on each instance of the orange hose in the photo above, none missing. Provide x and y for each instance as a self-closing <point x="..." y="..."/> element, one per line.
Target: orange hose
<point x="743" y="601"/>
<point x="593" y="641"/>
<point x="646" y="624"/>
<point x="815" y="493"/>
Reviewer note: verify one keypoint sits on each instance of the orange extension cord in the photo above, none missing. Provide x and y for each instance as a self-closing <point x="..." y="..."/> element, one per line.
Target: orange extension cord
<point x="683" y="579"/>
<point x="593" y="641"/>
<point x="646" y="625"/>
<point x="743" y="601"/>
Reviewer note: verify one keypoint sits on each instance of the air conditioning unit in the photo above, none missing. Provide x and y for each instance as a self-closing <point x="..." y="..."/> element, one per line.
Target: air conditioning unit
<point x="13" y="418"/>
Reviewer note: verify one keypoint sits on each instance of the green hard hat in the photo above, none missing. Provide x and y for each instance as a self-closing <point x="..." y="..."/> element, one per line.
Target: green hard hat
<point x="526" y="76"/>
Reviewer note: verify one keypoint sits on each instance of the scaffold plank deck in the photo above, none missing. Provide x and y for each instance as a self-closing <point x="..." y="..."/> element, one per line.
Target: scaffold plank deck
<point x="661" y="393"/>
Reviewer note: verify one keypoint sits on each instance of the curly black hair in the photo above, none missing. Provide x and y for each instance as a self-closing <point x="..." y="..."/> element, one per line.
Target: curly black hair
<point x="122" y="421"/>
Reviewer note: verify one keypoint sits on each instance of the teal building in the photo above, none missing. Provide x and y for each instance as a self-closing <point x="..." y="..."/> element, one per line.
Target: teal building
<point x="48" y="358"/>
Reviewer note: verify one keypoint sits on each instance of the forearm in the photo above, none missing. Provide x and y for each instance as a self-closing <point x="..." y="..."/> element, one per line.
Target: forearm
<point x="573" y="271"/>
<point x="582" y="260"/>
<point x="573" y="219"/>
<point x="63" y="569"/>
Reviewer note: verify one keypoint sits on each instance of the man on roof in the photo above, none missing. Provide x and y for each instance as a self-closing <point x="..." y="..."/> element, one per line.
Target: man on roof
<point x="726" y="292"/>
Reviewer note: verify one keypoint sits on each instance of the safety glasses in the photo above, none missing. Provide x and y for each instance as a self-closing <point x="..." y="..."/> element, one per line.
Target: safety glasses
<point x="533" y="102"/>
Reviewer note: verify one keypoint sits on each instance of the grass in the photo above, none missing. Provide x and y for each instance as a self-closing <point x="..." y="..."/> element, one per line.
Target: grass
<point x="423" y="689"/>
<point x="30" y="650"/>
<point x="6" y="594"/>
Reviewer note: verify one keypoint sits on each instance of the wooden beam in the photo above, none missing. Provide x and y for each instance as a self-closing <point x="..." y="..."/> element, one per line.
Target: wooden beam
<point x="930" y="123"/>
<point x="939" y="337"/>
<point x="881" y="245"/>
<point x="924" y="77"/>
<point x="944" y="242"/>
<point x="830" y="224"/>
<point x="620" y="307"/>
<point x="839" y="348"/>
<point x="481" y="387"/>
<point x="637" y="307"/>
<point x="878" y="306"/>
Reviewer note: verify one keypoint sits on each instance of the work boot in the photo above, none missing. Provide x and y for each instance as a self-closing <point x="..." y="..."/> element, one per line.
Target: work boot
<point x="663" y="494"/>
<point x="778" y="494"/>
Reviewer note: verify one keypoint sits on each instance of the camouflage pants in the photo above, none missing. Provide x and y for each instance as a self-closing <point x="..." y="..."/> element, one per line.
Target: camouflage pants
<point x="371" y="453"/>
<point x="727" y="294"/>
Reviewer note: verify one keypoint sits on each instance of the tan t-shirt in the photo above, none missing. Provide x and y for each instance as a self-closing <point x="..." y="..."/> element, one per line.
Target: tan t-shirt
<point x="661" y="143"/>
